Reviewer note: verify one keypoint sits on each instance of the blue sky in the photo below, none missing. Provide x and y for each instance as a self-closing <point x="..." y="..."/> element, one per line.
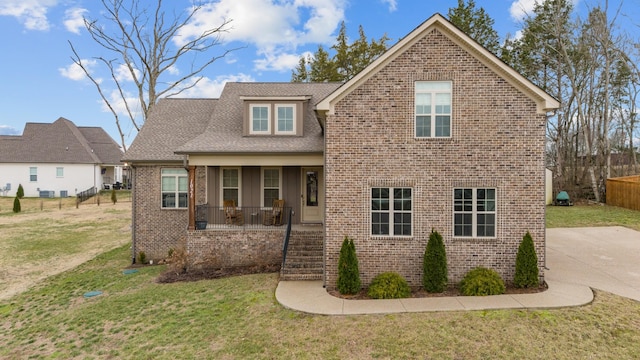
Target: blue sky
<point x="40" y="84"/>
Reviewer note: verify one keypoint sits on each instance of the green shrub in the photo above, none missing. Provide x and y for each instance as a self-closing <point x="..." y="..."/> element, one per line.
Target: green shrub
<point x="20" y="192"/>
<point x="142" y="257"/>
<point x="348" y="272"/>
<point x="16" y="205"/>
<point x="434" y="265"/>
<point x="526" y="264"/>
<point x="482" y="281"/>
<point x="389" y="285"/>
<point x="114" y="197"/>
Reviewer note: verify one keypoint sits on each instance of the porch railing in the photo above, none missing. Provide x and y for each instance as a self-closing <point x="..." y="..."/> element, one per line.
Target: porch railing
<point x="254" y="217"/>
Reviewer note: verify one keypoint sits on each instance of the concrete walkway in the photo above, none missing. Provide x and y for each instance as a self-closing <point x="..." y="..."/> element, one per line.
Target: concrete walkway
<point x="605" y="258"/>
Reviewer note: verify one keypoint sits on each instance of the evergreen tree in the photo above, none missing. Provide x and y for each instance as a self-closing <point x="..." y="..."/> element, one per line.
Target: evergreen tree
<point x="347" y="61"/>
<point x="434" y="267"/>
<point x="526" y="264"/>
<point x="16" y="205"/>
<point x="348" y="272"/>
<point x="20" y="192"/>
<point x="114" y="197"/>
<point x="476" y="23"/>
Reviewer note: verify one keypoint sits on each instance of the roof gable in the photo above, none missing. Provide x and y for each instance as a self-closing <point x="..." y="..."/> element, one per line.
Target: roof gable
<point x="544" y="101"/>
<point x="59" y="142"/>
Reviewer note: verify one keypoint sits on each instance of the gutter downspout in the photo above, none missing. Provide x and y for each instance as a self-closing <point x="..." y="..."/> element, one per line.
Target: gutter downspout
<point x="133" y="213"/>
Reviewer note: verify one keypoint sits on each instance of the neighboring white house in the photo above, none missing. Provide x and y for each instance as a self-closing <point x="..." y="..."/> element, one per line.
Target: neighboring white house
<point x="58" y="160"/>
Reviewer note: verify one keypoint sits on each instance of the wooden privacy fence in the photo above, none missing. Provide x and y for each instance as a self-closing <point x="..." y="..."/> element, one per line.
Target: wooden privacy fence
<point x="624" y="192"/>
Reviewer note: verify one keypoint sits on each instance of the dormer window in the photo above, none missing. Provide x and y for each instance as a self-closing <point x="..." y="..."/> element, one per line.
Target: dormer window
<point x="286" y="119"/>
<point x="260" y="119"/>
<point x="274" y="116"/>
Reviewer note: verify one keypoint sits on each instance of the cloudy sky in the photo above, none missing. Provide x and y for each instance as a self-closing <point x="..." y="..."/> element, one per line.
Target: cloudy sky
<point x="39" y="83"/>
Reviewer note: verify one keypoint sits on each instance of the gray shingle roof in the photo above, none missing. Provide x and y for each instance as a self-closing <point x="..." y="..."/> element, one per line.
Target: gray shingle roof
<point x="224" y="133"/>
<point x="171" y="123"/>
<point x="60" y="142"/>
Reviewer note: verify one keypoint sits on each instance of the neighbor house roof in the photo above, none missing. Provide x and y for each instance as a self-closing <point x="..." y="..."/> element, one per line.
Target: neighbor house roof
<point x="171" y="123"/>
<point x="60" y="142"/>
<point x="544" y="101"/>
<point x="224" y="134"/>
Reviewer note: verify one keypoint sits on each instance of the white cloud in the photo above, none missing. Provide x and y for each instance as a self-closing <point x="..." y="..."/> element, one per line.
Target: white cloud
<point x="173" y="70"/>
<point x="275" y="61"/>
<point x="120" y="106"/>
<point x="74" y="72"/>
<point x="274" y="27"/>
<point x="212" y="88"/>
<point x="393" y="4"/>
<point x="8" y="130"/>
<point x="123" y="74"/>
<point x="74" y="19"/>
<point x="31" y="13"/>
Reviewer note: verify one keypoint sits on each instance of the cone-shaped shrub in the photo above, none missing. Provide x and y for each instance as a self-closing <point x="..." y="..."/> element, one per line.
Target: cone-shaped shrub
<point x="434" y="265"/>
<point x="20" y="192"/>
<point x="348" y="272"/>
<point x="526" y="264"/>
<point x="16" y="205"/>
<point x="114" y="197"/>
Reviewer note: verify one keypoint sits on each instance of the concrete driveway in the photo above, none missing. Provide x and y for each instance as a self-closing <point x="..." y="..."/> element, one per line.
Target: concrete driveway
<point x="605" y="258"/>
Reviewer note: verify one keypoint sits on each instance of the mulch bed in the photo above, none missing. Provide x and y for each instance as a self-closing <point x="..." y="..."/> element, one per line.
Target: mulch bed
<point x="214" y="273"/>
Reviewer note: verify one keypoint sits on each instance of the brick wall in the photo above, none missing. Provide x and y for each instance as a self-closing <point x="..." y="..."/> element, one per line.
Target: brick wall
<point x="157" y="230"/>
<point x="497" y="141"/>
<point x="220" y="248"/>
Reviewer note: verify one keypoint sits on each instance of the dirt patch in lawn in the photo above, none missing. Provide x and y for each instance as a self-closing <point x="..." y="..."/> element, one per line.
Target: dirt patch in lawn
<point x="30" y="253"/>
<point x="171" y="276"/>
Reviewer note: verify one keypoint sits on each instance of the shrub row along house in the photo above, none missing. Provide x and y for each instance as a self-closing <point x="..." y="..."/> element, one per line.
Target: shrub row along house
<point x="438" y="133"/>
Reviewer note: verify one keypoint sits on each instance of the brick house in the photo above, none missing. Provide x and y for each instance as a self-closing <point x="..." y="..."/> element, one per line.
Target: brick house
<point x="438" y="133"/>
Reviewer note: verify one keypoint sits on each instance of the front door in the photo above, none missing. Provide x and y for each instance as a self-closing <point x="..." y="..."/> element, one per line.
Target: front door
<point x="312" y="195"/>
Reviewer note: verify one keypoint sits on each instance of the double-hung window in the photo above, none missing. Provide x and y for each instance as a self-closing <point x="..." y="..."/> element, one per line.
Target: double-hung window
<point x="59" y="172"/>
<point x="33" y="174"/>
<point x="433" y="109"/>
<point x="270" y="186"/>
<point x="474" y="212"/>
<point x="391" y="211"/>
<point x="174" y="188"/>
<point x="285" y="119"/>
<point x="260" y="121"/>
<point x="231" y="184"/>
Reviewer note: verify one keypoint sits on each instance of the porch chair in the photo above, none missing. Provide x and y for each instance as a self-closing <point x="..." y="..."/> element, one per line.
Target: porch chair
<point x="232" y="215"/>
<point x="278" y="212"/>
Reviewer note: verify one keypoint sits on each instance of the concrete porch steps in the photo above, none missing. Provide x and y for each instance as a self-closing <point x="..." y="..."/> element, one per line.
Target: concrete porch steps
<point x="304" y="256"/>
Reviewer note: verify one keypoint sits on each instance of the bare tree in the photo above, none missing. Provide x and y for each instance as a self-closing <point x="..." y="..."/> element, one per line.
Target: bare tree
<point x="142" y="40"/>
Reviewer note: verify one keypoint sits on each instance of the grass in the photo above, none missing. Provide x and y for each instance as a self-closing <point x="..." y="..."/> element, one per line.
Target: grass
<point x="239" y="318"/>
<point x="592" y="215"/>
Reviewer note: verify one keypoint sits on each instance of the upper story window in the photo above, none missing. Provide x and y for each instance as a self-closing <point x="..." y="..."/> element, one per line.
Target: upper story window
<point x="285" y="119"/>
<point x="174" y="188"/>
<point x="33" y="174"/>
<point x="260" y="119"/>
<point x="433" y="109"/>
<point x="59" y="172"/>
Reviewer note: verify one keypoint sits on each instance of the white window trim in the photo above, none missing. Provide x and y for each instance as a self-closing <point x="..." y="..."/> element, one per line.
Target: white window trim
<point x="222" y="185"/>
<point x="33" y="173"/>
<point x="61" y="172"/>
<point x="433" y="109"/>
<point x="262" y="187"/>
<point x="275" y="119"/>
<point x="391" y="212"/>
<point x="474" y="213"/>
<point x="177" y="190"/>
<point x="269" y="119"/>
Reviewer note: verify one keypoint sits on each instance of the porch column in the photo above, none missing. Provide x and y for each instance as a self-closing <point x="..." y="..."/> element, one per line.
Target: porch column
<point x="192" y="197"/>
